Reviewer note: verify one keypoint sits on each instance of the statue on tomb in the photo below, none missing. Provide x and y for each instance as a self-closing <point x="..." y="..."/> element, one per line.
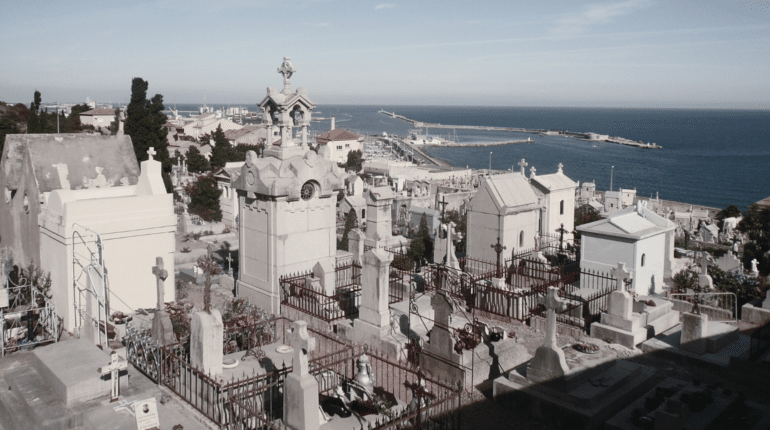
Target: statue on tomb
<point x="251" y="158"/>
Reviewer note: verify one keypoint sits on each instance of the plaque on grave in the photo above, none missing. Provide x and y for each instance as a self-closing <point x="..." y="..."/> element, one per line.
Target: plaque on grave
<point x="146" y="413"/>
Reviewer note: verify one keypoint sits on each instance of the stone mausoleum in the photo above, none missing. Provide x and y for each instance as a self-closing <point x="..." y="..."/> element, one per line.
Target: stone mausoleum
<point x="287" y="200"/>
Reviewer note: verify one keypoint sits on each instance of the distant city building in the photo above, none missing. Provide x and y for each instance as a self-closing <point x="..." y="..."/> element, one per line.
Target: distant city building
<point x="340" y="143"/>
<point x="99" y="117"/>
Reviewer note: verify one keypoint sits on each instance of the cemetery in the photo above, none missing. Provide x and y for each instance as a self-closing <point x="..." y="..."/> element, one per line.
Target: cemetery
<point x="270" y="326"/>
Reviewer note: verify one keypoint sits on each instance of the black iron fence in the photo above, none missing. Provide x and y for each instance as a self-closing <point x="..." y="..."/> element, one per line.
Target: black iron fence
<point x="760" y="342"/>
<point x="298" y="292"/>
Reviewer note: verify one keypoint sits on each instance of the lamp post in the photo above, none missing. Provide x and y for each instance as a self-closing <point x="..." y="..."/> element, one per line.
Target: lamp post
<point x="612" y="170"/>
<point x="490" y="163"/>
<point x="57" y="118"/>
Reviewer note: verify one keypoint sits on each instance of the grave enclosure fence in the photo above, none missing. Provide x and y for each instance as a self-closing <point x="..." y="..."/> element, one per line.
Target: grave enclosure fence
<point x="441" y="411"/>
<point x="343" y="304"/>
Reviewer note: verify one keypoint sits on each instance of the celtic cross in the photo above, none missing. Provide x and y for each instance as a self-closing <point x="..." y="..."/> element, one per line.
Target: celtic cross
<point x="287" y="69"/>
<point x="498" y="248"/>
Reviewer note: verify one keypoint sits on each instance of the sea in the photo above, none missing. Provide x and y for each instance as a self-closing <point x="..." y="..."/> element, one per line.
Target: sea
<point x="710" y="157"/>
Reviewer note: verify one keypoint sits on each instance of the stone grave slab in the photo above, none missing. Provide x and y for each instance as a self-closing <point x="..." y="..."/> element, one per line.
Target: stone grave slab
<point x="35" y="401"/>
<point x="584" y="399"/>
<point x="668" y="343"/>
<point x="70" y="367"/>
<point x="668" y="405"/>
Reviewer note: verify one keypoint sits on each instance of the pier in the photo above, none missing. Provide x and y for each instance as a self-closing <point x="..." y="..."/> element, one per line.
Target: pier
<point x="592" y="137"/>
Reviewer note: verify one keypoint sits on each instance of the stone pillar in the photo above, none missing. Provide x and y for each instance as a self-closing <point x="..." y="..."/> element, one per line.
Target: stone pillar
<point x="374" y="316"/>
<point x="694" y="336"/>
<point x="300" y="405"/>
<point x="206" y="334"/>
<point x="162" y="330"/>
<point x="379" y="222"/>
<point x="325" y="271"/>
<point x="356" y="238"/>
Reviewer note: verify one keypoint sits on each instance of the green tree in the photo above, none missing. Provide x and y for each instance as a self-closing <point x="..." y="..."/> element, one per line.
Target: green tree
<point x="7" y="126"/>
<point x="355" y="160"/>
<point x="115" y="124"/>
<point x="422" y="245"/>
<point x="584" y="215"/>
<point x="33" y="122"/>
<point x="38" y="100"/>
<point x="684" y="280"/>
<point x="222" y="152"/>
<point x="756" y="223"/>
<point x="144" y="123"/>
<point x="745" y="288"/>
<point x="730" y="211"/>
<point x="196" y="162"/>
<point x="351" y="220"/>
<point x="204" y="198"/>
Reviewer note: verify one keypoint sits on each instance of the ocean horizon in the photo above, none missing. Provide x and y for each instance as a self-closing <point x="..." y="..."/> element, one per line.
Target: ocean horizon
<point x="711" y="156"/>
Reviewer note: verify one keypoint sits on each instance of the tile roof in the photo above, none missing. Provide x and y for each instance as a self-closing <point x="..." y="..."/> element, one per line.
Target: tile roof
<point x="336" y="135"/>
<point x="99" y="111"/>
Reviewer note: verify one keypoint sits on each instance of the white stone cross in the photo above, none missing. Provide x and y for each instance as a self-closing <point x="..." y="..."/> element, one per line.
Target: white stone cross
<point x="532" y="172"/>
<point x="300" y="340"/>
<point x="160" y="276"/>
<point x="523" y="164"/>
<point x="229" y="261"/>
<point x="561" y="168"/>
<point x="703" y="262"/>
<point x="620" y="274"/>
<point x="114" y="368"/>
<point x="552" y="304"/>
<point x="151" y="152"/>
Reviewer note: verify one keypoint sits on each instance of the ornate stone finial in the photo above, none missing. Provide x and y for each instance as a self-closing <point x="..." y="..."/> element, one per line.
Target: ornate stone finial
<point x="287" y="69"/>
<point x="523" y="165"/>
<point x="151" y="152"/>
<point x="561" y="168"/>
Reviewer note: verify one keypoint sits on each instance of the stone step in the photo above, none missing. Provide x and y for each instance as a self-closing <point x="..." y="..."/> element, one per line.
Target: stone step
<point x="13" y="415"/>
<point x="39" y="401"/>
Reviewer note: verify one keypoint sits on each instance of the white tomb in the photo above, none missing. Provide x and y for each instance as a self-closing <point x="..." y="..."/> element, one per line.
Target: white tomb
<point x="506" y="207"/>
<point x="636" y="236"/>
<point x="287" y="201"/>
<point x="556" y="193"/>
<point x="136" y="224"/>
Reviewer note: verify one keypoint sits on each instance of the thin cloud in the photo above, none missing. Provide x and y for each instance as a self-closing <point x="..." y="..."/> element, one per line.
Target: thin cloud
<point x="596" y="14"/>
<point x="384" y="6"/>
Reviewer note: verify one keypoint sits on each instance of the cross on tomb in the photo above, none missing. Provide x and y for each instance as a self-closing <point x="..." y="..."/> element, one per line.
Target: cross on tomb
<point x="419" y="395"/>
<point x="210" y="268"/>
<point x="523" y="165"/>
<point x="561" y="168"/>
<point x="552" y="304"/>
<point x="229" y="261"/>
<point x="160" y="276"/>
<point x="703" y="262"/>
<point x="499" y="248"/>
<point x="532" y="172"/>
<point x="113" y="369"/>
<point x="151" y="152"/>
<point x="561" y="230"/>
<point x="302" y="343"/>
<point x="443" y="204"/>
<point x="620" y="274"/>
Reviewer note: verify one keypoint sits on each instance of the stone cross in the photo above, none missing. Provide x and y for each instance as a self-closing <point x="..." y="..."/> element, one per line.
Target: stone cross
<point x="302" y="343"/>
<point x="703" y="262"/>
<point x="160" y="276"/>
<point x="620" y="274"/>
<point x="443" y="204"/>
<point x="552" y="304"/>
<point x="523" y="164"/>
<point x="229" y="262"/>
<point x="151" y="152"/>
<point x="498" y="248"/>
<point x="561" y="168"/>
<point x="532" y="172"/>
<point x="113" y="369"/>
<point x="287" y="69"/>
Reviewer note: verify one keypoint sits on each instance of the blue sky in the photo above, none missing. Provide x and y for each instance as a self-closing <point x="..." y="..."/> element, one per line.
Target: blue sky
<point x="629" y="53"/>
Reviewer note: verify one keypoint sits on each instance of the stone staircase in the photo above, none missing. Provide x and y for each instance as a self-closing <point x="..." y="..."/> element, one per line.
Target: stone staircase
<point x="28" y="402"/>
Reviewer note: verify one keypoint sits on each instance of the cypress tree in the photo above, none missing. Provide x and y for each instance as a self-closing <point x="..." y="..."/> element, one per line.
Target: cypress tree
<point x="196" y="162"/>
<point x="144" y="123"/>
<point x="33" y="123"/>
<point x="350" y="223"/>
<point x="38" y="99"/>
<point x="222" y="152"/>
<point x="204" y="198"/>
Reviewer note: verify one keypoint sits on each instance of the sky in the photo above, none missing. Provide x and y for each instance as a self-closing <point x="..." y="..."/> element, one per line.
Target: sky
<point x="628" y="53"/>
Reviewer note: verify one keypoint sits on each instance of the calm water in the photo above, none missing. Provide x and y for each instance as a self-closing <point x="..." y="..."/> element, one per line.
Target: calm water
<point x="709" y="157"/>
